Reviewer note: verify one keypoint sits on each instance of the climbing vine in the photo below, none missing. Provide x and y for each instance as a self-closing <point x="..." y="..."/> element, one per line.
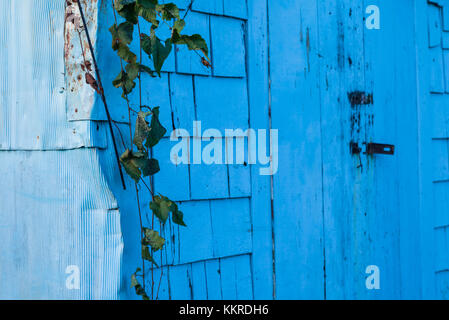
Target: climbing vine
<point x="137" y="160"/>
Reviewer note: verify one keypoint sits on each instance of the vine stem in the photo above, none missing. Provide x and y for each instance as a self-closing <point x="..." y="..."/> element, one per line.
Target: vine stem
<point x="141" y="233"/>
<point x="189" y="8"/>
<point x="131" y="138"/>
<point x="125" y="94"/>
<point x="140" y="106"/>
<point x="140" y="62"/>
<point x="103" y="97"/>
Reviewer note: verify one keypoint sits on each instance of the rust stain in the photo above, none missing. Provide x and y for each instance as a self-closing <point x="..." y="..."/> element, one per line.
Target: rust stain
<point x="358" y="98"/>
<point x="77" y="57"/>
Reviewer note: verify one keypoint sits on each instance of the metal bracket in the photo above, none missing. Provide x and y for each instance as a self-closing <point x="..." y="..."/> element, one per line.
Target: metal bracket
<point x="372" y="148"/>
<point x="379" y="148"/>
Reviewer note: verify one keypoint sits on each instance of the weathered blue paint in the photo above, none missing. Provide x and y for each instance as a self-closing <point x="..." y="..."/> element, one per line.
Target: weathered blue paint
<point x="308" y="232"/>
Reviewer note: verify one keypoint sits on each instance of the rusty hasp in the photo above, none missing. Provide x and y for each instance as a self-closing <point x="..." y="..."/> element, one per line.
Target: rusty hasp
<point x="380" y="148"/>
<point x="372" y="148"/>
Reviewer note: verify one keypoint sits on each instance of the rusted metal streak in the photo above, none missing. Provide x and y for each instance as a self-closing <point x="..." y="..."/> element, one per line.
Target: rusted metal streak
<point x="101" y="92"/>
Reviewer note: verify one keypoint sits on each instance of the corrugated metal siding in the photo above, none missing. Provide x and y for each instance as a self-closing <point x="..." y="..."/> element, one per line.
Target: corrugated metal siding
<point x="56" y="208"/>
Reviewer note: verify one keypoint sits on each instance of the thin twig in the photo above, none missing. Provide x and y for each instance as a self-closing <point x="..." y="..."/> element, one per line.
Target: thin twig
<point x="188" y="9"/>
<point x="140" y="62"/>
<point x="124" y="92"/>
<point x="159" y="286"/>
<point x="141" y="233"/>
<point x="103" y="97"/>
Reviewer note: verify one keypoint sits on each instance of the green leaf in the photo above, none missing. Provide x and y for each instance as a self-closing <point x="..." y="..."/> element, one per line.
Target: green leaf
<point x="149" y="14"/>
<point x="127" y="9"/>
<point x="125" y="32"/>
<point x="159" y="52"/>
<point x="161" y="207"/>
<point x="177" y="216"/>
<point x="123" y="81"/>
<point x="126" y="54"/>
<point x="137" y="286"/>
<point x="169" y="11"/>
<point x="137" y="164"/>
<point x="132" y="69"/>
<point x="147" y="255"/>
<point x="157" y="131"/>
<point x="115" y="38"/>
<point x="149" y="167"/>
<point x="127" y="159"/>
<point x="120" y="4"/>
<point x="147" y="70"/>
<point x="148" y="4"/>
<point x="179" y="25"/>
<point x="153" y="239"/>
<point x="146" y="43"/>
<point x="193" y="42"/>
<point x="142" y="130"/>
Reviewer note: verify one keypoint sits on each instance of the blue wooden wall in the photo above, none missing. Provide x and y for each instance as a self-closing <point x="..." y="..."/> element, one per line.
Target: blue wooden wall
<point x="308" y="232"/>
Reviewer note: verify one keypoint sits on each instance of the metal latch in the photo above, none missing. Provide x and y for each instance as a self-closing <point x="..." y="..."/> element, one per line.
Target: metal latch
<point x="372" y="148"/>
<point x="379" y="148"/>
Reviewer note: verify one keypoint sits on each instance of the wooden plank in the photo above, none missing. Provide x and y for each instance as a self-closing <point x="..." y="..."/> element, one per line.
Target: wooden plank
<point x="446" y="16"/>
<point x="208" y="6"/>
<point x="440" y="114"/>
<point x="231" y="225"/>
<point x="446" y="68"/>
<point x="441" y="191"/>
<point x="435" y="27"/>
<point x="228" y="279"/>
<point x="199" y="281"/>
<point x="426" y="222"/>
<point x="239" y="172"/>
<point x="235" y="8"/>
<point x="341" y="73"/>
<point x="182" y="101"/>
<point x="239" y="181"/>
<point x="244" y="278"/>
<point x="388" y="77"/>
<point x="236" y="277"/>
<point x="196" y="241"/>
<point x="188" y="61"/>
<point x="181" y="282"/>
<point x="161" y="284"/>
<point x="261" y="185"/>
<point x="213" y="279"/>
<point x="209" y="181"/>
<point x="297" y="194"/>
<point x="445" y="40"/>
<point x="442" y="243"/>
<point x="437" y="80"/>
<point x="228" y="45"/>
<point x="440" y="163"/>
<point x="220" y="108"/>
<point x="173" y="180"/>
<point x="442" y="285"/>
